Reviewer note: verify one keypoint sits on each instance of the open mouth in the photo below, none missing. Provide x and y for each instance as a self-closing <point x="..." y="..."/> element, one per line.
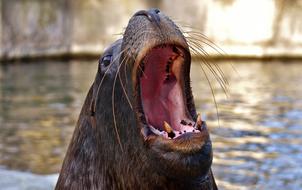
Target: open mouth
<point x="165" y="108"/>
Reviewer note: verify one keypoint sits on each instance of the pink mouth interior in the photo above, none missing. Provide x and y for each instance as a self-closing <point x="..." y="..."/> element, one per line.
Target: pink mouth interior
<point x="162" y="92"/>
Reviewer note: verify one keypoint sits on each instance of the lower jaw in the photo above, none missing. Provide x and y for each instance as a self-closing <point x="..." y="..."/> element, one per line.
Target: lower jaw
<point x="191" y="161"/>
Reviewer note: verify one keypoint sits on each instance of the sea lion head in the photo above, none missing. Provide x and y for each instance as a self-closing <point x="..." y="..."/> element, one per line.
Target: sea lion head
<point x="150" y="99"/>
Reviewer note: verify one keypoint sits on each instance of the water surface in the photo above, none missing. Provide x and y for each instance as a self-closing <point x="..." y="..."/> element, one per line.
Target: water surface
<point x="257" y="141"/>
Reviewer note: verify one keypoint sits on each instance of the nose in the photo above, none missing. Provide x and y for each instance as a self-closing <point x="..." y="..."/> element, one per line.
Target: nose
<point x="151" y="14"/>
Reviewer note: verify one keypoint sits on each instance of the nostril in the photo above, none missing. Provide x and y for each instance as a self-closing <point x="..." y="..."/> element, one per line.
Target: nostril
<point x="142" y="13"/>
<point x="151" y="14"/>
<point x="156" y="10"/>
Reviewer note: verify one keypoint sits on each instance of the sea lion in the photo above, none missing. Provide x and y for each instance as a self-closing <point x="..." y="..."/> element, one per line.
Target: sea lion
<point x="138" y="128"/>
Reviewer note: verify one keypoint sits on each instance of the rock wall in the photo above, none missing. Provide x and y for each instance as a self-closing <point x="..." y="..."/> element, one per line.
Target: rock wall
<point x="34" y="28"/>
<point x="31" y="28"/>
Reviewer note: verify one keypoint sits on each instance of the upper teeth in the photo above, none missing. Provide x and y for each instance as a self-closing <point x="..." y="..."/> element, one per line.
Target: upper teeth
<point x="169" y="130"/>
<point x="168" y="68"/>
<point x="198" y="122"/>
<point x="167" y="127"/>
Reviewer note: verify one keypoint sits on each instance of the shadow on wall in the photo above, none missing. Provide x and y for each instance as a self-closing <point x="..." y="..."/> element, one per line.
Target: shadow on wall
<point x="31" y="28"/>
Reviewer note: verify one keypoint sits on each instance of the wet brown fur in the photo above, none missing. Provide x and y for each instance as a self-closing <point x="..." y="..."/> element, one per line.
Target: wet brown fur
<point x="107" y="150"/>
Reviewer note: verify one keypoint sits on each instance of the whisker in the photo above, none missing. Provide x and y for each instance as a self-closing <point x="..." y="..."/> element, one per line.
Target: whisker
<point x="213" y="94"/>
<point x="113" y="98"/>
<point x="196" y="31"/>
<point x="130" y="49"/>
<point x="122" y="84"/>
<point x="126" y="59"/>
<point x="101" y="82"/>
<point x="220" y="79"/>
<point x="214" y="46"/>
<point x="113" y="109"/>
<point x="217" y="77"/>
<point x="208" y="43"/>
<point x="204" y="52"/>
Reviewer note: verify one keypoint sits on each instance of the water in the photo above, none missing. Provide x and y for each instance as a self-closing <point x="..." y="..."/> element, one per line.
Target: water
<point x="258" y="144"/>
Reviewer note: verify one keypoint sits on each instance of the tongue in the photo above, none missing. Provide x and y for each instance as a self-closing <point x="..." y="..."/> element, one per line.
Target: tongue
<point x="161" y="92"/>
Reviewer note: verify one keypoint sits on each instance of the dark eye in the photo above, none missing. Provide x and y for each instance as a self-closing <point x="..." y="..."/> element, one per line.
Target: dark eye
<point x="106" y="60"/>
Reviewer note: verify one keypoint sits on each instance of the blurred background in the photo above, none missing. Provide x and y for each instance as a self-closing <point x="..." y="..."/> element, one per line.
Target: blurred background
<point x="49" y="51"/>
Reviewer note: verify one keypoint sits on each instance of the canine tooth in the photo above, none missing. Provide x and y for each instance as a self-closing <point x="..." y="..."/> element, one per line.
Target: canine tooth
<point x="198" y="122"/>
<point x="169" y="130"/>
<point x="167" y="127"/>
